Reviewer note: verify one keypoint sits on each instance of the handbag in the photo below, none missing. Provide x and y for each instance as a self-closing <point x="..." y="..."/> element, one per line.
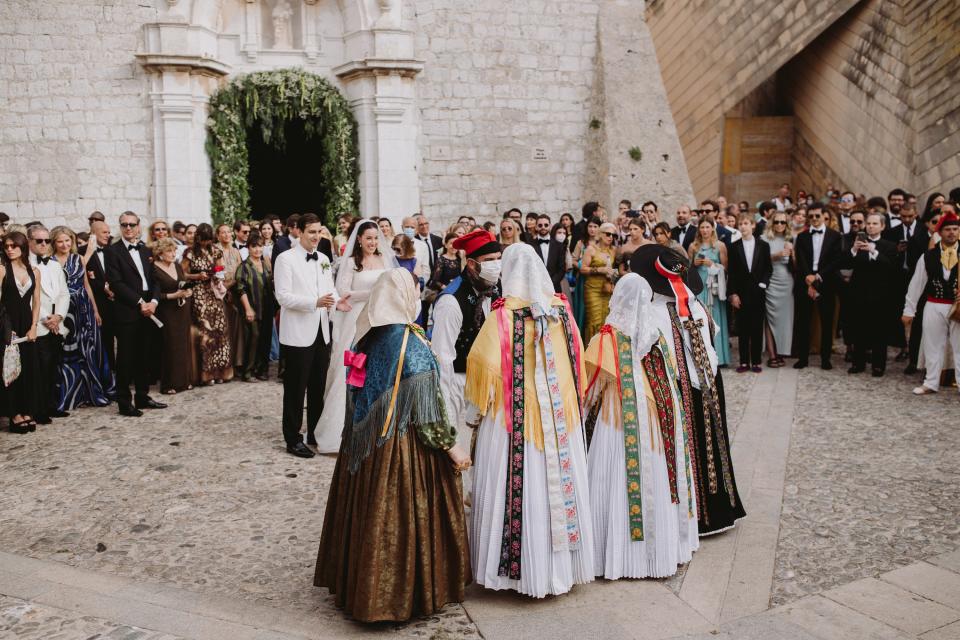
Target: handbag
<point x="11" y="364"/>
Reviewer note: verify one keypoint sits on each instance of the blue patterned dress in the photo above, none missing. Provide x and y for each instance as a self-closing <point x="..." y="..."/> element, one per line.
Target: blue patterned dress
<point x="85" y="376"/>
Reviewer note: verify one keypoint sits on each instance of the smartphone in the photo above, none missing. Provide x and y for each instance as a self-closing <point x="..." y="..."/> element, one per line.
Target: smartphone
<point x="862" y="236"/>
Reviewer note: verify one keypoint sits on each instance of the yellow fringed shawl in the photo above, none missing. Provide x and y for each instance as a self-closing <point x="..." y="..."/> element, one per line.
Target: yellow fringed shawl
<point x="484" y="385"/>
<point x="607" y="381"/>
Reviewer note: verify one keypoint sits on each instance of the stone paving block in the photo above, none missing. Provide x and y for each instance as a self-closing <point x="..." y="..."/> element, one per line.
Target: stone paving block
<point x="21" y="586"/>
<point x="830" y="620"/>
<point x="931" y="582"/>
<point x="949" y="560"/>
<point x="893" y="605"/>
<point x="756" y="628"/>
<point x="949" y="632"/>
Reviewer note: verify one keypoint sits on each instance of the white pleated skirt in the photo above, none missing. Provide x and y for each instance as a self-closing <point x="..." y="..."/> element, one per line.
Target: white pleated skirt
<point x="543" y="571"/>
<point x="670" y="534"/>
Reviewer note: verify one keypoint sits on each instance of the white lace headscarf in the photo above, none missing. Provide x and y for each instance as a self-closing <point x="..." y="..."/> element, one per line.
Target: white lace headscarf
<point x="346" y="264"/>
<point x="394" y="299"/>
<point x="631" y="313"/>
<point x="523" y="275"/>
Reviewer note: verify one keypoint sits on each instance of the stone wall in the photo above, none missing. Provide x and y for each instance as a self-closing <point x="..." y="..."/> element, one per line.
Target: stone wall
<point x="75" y="121"/>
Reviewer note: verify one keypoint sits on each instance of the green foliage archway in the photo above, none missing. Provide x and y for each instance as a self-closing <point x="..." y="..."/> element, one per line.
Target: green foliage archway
<point x="269" y="100"/>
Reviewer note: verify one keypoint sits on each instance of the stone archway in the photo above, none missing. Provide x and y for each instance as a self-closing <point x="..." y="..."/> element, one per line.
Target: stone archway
<point x="267" y="102"/>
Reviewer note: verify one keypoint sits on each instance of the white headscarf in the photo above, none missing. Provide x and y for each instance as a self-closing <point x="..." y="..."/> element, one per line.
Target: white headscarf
<point x="386" y="252"/>
<point x="523" y="275"/>
<point x="394" y="299"/>
<point x="631" y="312"/>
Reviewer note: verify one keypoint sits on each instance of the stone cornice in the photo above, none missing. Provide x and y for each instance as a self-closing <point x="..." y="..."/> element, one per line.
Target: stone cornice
<point x="367" y="67"/>
<point x="194" y="64"/>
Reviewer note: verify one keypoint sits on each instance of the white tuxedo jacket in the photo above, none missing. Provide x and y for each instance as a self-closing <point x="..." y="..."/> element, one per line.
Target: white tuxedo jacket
<point x="54" y="294"/>
<point x="298" y="284"/>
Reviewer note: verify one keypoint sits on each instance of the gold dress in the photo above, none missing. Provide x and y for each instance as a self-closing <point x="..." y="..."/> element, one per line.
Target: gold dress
<point x="596" y="301"/>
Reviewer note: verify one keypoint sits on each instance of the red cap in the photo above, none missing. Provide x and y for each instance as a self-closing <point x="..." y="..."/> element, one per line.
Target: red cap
<point x="949" y="219"/>
<point x="477" y="243"/>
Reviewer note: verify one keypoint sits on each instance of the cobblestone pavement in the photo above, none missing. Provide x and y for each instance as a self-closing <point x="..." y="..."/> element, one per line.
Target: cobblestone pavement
<point x="28" y="621"/>
<point x="873" y="480"/>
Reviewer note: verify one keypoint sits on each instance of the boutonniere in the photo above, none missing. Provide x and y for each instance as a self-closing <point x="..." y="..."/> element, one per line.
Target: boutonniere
<point x="324" y="266"/>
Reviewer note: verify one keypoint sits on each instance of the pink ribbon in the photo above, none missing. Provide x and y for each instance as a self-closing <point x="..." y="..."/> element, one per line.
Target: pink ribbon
<point x="506" y="358"/>
<point x="356" y="364"/>
<point x="578" y="346"/>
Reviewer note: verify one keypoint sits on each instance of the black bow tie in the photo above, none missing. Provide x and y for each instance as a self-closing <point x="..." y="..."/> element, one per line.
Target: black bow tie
<point x="542" y="241"/>
<point x="816" y="230"/>
<point x="133" y="247"/>
<point x="43" y="260"/>
<point x="313" y="256"/>
<point x="241" y="245"/>
<point x="99" y="249"/>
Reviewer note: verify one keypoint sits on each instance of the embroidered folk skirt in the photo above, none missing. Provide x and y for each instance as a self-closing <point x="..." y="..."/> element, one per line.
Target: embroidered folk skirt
<point x="718" y="514"/>
<point x="394" y="542"/>
<point x="669" y="530"/>
<point x="543" y="570"/>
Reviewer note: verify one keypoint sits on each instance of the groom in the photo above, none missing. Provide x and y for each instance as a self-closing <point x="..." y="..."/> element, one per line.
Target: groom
<point x="303" y="282"/>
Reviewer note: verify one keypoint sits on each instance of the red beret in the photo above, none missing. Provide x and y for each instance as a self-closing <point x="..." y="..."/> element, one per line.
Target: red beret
<point x="477" y="243"/>
<point x="949" y="219"/>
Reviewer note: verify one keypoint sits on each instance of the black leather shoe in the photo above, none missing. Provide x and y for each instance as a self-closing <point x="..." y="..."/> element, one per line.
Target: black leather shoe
<point x="44" y="421"/>
<point x="300" y="450"/>
<point x="59" y="414"/>
<point x="800" y="364"/>
<point x="826" y="365"/>
<point x="150" y="403"/>
<point x="856" y="369"/>
<point x="877" y="373"/>
<point x="130" y="411"/>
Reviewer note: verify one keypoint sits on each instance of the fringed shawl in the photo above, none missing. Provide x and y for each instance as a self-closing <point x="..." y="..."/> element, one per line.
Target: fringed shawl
<point x="485" y="380"/>
<point x="387" y="405"/>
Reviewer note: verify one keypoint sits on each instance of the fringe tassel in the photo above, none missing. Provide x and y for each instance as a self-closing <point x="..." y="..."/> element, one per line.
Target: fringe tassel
<point x="416" y="404"/>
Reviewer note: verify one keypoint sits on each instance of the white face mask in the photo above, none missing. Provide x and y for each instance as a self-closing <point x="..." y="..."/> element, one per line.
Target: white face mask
<point x="409" y="232"/>
<point x="560" y="237"/>
<point x="490" y="271"/>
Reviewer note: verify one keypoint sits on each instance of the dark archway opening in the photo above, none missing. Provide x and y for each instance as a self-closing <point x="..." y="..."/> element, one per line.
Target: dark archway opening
<point x="285" y="180"/>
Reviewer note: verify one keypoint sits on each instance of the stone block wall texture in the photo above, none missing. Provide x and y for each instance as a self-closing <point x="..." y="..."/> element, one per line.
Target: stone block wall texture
<point x="869" y="84"/>
<point x="75" y="121"/>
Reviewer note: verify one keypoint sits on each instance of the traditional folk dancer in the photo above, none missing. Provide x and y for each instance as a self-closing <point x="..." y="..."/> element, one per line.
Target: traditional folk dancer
<point x="935" y="280"/>
<point x="641" y="479"/>
<point x="688" y="326"/>
<point x="394" y="542"/>
<point x="458" y="314"/>
<point x="531" y="528"/>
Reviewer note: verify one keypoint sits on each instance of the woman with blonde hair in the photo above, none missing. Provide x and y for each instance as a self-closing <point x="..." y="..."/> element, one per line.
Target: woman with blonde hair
<point x="598" y="272"/>
<point x="709" y="256"/>
<point x="174" y="311"/>
<point x="779" y="295"/>
<point x="509" y="232"/>
<point x="85" y="378"/>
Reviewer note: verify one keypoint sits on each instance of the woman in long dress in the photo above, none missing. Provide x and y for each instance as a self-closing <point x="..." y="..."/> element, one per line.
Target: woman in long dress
<point x="780" y="290"/>
<point x="394" y="542"/>
<point x="85" y="378"/>
<point x="174" y="309"/>
<point x="641" y="480"/>
<point x="231" y="259"/>
<point x="20" y="296"/>
<point x="579" y="304"/>
<point x="709" y="256"/>
<point x="366" y="256"/>
<point x="203" y="265"/>
<point x="598" y="272"/>
<point x="531" y="529"/>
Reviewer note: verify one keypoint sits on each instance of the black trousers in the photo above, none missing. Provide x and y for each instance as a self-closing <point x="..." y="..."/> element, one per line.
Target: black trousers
<point x="134" y="349"/>
<point x="877" y="343"/>
<point x="824" y="306"/>
<point x="750" y="317"/>
<point x="916" y="332"/>
<point x="305" y="372"/>
<point x="49" y="358"/>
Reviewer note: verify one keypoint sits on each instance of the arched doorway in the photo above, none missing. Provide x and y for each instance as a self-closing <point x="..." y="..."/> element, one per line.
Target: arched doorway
<point x="284" y="138"/>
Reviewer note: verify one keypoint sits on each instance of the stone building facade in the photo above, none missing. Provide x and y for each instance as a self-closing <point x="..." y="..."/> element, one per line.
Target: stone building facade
<point x="863" y="90"/>
<point x="461" y="107"/>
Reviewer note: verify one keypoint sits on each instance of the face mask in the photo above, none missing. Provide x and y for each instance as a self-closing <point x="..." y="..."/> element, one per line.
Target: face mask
<point x="409" y="231"/>
<point x="560" y="237"/>
<point x="490" y="271"/>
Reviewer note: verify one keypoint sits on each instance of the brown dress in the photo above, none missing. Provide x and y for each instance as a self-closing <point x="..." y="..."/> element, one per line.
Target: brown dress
<point x="176" y="370"/>
<point x="210" y="320"/>
<point x="231" y="305"/>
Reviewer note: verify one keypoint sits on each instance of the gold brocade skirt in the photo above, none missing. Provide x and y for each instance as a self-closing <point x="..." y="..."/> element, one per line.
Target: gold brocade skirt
<point x="394" y="542"/>
<point x="596" y="303"/>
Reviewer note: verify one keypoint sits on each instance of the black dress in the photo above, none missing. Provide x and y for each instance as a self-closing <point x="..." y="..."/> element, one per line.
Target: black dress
<point x="176" y="370"/>
<point x="22" y="393"/>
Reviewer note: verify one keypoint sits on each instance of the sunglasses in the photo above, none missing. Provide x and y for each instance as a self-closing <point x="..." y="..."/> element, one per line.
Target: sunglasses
<point x="155" y="229"/>
<point x="42" y="240"/>
<point x="10" y="247"/>
<point x="779" y="222"/>
<point x="129" y="225"/>
<point x="607" y="233"/>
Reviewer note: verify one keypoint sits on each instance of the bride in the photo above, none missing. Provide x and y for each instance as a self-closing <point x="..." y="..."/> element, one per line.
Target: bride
<point x="366" y="256"/>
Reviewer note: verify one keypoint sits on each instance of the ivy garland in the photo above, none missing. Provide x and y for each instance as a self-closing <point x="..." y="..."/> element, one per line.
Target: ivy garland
<point x="269" y="100"/>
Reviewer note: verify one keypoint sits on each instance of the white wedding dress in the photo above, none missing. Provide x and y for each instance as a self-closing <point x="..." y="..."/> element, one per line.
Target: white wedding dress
<point x="358" y="284"/>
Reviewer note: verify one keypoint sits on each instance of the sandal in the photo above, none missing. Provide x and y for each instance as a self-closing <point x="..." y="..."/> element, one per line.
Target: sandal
<point x="20" y="427"/>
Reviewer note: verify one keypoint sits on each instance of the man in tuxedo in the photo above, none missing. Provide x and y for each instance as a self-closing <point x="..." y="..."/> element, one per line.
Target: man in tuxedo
<point x="750" y="268"/>
<point x="818" y="258"/>
<point x="848" y="201"/>
<point x="553" y="253"/>
<point x="135" y="293"/>
<point x="589" y="211"/>
<point x="102" y="295"/>
<point x="284" y="242"/>
<point x="901" y="237"/>
<point x="872" y="295"/>
<point x="54" y="303"/>
<point x="686" y="229"/>
<point x="241" y="232"/>
<point x="435" y="244"/>
<point x="303" y="283"/>
<point x="856" y="222"/>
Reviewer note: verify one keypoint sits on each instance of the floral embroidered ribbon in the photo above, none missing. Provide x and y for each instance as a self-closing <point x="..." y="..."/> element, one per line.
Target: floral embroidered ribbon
<point x="631" y="434"/>
<point x="653" y="364"/>
<point x="356" y="364"/>
<point x="510" y="545"/>
<point x="688" y="469"/>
